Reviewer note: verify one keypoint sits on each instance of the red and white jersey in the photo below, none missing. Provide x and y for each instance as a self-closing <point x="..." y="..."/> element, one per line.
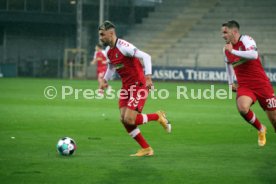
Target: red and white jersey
<point x="249" y="72"/>
<point x="101" y="61"/>
<point x="123" y="59"/>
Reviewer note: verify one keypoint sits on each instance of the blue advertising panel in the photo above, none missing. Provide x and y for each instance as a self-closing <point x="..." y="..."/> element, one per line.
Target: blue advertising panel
<point x="197" y="74"/>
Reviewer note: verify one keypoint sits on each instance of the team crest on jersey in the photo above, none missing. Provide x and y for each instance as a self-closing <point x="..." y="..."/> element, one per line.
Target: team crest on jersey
<point x="116" y="55"/>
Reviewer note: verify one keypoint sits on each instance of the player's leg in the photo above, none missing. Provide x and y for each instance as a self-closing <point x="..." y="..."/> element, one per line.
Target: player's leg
<point x="135" y="133"/>
<point x="269" y="105"/>
<point x="135" y="104"/>
<point x="267" y="101"/>
<point x="100" y="79"/>
<point x="134" y="118"/>
<point x="272" y="117"/>
<point x="243" y="104"/>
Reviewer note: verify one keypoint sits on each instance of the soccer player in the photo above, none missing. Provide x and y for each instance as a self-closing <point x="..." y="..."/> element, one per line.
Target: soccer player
<point x="100" y="59"/>
<point x="241" y="55"/>
<point x="124" y="58"/>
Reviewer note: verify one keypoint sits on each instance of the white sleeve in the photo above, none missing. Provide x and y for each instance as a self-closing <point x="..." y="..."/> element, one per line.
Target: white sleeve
<point x="126" y="48"/>
<point x="249" y="54"/>
<point x="130" y="50"/>
<point x="104" y="53"/>
<point x="224" y="56"/>
<point x="146" y="58"/>
<point x="109" y="72"/>
<point x="250" y="46"/>
<point x="230" y="73"/>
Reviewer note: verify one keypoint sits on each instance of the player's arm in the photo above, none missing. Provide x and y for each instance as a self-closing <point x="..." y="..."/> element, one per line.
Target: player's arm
<point x="249" y="54"/>
<point x="108" y="75"/>
<point x="109" y="72"/>
<point x="146" y="58"/>
<point x="104" y="60"/>
<point x="250" y="46"/>
<point x="131" y="51"/>
<point x="97" y="59"/>
<point x="230" y="73"/>
<point x="94" y="60"/>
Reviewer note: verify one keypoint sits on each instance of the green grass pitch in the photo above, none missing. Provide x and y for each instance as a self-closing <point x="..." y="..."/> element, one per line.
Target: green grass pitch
<point x="210" y="142"/>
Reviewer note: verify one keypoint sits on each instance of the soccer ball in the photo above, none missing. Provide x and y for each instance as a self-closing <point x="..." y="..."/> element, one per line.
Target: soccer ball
<point x="66" y="146"/>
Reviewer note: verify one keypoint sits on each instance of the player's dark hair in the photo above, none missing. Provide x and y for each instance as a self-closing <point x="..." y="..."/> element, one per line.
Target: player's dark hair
<point x="106" y="25"/>
<point x="231" y="24"/>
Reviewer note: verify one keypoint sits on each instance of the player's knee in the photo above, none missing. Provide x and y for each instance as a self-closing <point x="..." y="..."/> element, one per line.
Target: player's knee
<point x="244" y="104"/>
<point x="129" y="120"/>
<point x="243" y="110"/>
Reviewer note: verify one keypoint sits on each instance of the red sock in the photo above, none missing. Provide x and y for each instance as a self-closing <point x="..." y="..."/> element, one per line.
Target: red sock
<point x="251" y="118"/>
<point x="134" y="132"/>
<point x="144" y="118"/>
<point x="153" y="117"/>
<point x="141" y="141"/>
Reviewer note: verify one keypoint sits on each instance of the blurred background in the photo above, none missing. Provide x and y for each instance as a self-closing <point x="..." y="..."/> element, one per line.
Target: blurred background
<point x="56" y="38"/>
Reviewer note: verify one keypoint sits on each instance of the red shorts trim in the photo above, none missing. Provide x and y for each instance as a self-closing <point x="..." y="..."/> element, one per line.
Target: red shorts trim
<point x="134" y="97"/>
<point x="265" y="96"/>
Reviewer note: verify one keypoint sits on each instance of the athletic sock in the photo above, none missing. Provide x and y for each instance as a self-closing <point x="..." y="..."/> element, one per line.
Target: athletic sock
<point x="135" y="133"/>
<point x="141" y="141"/>
<point x="144" y="118"/>
<point x="251" y="118"/>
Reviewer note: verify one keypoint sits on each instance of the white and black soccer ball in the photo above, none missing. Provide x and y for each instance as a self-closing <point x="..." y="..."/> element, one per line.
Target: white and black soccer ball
<point x="66" y="146"/>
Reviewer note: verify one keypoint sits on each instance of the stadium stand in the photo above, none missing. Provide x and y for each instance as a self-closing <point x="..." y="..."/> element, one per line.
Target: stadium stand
<point x="187" y="33"/>
<point x="35" y="34"/>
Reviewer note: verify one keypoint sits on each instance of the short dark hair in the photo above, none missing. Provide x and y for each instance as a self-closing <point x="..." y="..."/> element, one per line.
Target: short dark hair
<point x="106" y="25"/>
<point x="232" y="24"/>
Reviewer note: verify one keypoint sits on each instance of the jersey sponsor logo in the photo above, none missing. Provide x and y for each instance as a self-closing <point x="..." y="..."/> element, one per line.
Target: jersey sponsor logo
<point x="241" y="61"/>
<point x="119" y="66"/>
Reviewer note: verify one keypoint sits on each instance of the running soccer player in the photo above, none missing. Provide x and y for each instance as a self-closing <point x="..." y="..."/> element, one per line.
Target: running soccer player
<point x="100" y="59"/>
<point x="124" y="58"/>
<point x="241" y="55"/>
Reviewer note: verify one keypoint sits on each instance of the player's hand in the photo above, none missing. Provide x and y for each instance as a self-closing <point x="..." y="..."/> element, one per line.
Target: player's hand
<point x="93" y="62"/>
<point x="149" y="83"/>
<point x="234" y="87"/>
<point x="228" y="47"/>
